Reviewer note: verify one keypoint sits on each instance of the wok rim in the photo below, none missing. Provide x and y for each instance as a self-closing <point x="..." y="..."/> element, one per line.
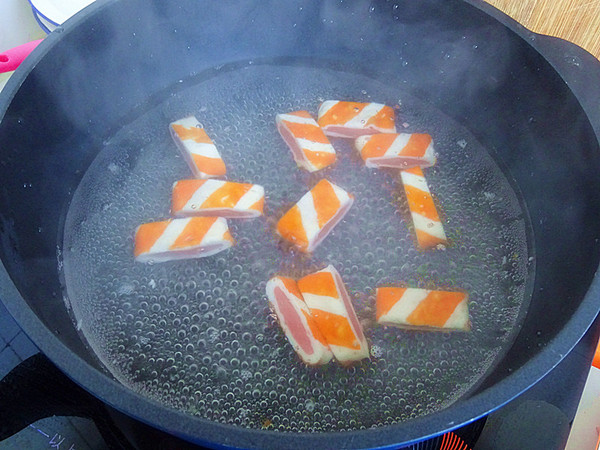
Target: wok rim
<point x="205" y="432"/>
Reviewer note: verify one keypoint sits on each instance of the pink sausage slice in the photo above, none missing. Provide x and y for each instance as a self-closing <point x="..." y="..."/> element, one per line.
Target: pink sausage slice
<point x="296" y="321"/>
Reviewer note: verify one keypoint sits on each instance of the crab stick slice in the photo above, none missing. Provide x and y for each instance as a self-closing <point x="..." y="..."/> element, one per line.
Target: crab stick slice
<point x="428" y="227"/>
<point x="197" y="148"/>
<point x="423" y="309"/>
<point x="310" y="147"/>
<point x="353" y="119"/>
<point x="192" y="237"/>
<point x="400" y="151"/>
<point x="326" y="296"/>
<point x="217" y="198"/>
<point x="311" y="219"/>
<point x="297" y="323"/>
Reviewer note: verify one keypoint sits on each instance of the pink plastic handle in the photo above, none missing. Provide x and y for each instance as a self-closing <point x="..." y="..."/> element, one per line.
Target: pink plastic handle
<point x="11" y="59"/>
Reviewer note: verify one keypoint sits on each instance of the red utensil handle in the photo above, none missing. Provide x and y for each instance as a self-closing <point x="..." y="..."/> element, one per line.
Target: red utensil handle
<point x="11" y="59"/>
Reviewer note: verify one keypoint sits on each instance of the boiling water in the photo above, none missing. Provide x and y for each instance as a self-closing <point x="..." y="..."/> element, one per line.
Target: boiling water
<point x="196" y="335"/>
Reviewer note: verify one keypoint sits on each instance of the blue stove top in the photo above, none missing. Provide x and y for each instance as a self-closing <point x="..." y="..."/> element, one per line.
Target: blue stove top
<point x="64" y="433"/>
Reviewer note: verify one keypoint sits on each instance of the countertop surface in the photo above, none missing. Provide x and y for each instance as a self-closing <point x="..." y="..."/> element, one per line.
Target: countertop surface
<point x="577" y="21"/>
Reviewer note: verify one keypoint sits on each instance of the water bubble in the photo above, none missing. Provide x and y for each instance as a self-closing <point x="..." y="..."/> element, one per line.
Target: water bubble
<point x="376" y="351"/>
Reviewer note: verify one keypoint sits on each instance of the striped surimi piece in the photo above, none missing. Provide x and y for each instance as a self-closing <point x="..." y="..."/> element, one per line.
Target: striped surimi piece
<point x="353" y="119"/>
<point x="326" y="296"/>
<point x="401" y="151"/>
<point x="310" y="147"/>
<point x="217" y="198"/>
<point x="197" y="148"/>
<point x="428" y="227"/>
<point x="311" y="219"/>
<point x="192" y="237"/>
<point x="421" y="308"/>
<point x="297" y="323"/>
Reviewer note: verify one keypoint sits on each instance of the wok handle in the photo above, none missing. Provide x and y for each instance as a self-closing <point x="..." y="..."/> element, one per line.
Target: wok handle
<point x="580" y="70"/>
<point x="36" y="389"/>
<point x="11" y="59"/>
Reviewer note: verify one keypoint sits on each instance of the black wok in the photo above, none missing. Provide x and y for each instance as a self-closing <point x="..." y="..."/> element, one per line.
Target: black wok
<point x="529" y="100"/>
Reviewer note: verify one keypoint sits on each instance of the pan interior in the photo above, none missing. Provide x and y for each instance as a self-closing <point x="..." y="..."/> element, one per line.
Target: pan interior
<point x="197" y="336"/>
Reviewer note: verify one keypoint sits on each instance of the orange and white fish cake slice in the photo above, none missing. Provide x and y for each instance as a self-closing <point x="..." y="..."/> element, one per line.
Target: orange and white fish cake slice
<point x="315" y="215"/>
<point x="329" y="303"/>
<point x="423" y="309"/>
<point x="353" y="119"/>
<point x="428" y="227"/>
<point x="296" y="321"/>
<point x="191" y="237"/>
<point x="310" y="147"/>
<point x="197" y="148"/>
<point x="217" y="198"/>
<point x="400" y="151"/>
